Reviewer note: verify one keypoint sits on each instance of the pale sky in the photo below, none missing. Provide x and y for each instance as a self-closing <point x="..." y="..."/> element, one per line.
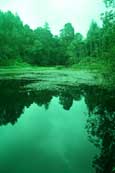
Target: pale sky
<point x="56" y="12"/>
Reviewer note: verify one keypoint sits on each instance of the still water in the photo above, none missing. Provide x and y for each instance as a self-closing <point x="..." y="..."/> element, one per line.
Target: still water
<point x="70" y="130"/>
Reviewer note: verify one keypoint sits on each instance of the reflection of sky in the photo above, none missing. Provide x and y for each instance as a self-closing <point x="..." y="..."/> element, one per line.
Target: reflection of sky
<point x="50" y="140"/>
<point x="56" y="12"/>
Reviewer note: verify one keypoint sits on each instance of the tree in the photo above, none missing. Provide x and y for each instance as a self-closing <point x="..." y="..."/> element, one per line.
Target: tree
<point x="67" y="34"/>
<point x="42" y="45"/>
<point x="109" y="3"/>
<point x="108" y="31"/>
<point x="11" y="28"/>
<point x="93" y="41"/>
<point x="66" y="37"/>
<point x="76" y="49"/>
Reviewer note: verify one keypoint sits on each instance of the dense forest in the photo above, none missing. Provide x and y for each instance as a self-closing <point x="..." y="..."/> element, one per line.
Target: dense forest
<point x="18" y="42"/>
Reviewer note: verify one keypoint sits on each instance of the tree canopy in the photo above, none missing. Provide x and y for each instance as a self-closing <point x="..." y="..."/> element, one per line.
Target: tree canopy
<point x="41" y="47"/>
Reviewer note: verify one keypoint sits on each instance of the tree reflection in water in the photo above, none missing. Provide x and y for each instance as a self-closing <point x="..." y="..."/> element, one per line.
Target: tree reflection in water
<point x="101" y="128"/>
<point x="100" y="122"/>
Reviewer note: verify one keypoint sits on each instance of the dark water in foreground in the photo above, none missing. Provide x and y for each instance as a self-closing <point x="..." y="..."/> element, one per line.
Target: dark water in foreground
<point x="71" y="130"/>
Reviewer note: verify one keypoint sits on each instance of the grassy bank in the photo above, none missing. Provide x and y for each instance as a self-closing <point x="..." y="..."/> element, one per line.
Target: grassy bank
<point x="105" y="68"/>
<point x="103" y="72"/>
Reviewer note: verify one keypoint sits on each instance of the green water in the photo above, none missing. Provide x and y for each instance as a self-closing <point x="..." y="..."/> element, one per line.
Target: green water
<point x="65" y="131"/>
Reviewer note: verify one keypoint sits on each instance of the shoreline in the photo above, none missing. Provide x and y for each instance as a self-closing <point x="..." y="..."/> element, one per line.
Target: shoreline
<point x="51" y="77"/>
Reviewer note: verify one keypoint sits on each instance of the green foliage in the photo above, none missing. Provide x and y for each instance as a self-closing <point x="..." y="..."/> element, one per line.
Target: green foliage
<point x="93" y="41"/>
<point x="76" y="50"/>
<point x="109" y="3"/>
<point x="40" y="47"/>
<point x="67" y="34"/>
<point x="11" y="29"/>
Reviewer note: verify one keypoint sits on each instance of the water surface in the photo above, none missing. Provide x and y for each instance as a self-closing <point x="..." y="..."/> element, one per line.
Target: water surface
<point x="70" y="130"/>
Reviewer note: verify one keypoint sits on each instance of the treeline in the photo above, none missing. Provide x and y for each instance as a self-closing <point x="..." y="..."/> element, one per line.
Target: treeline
<point x="41" y="47"/>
